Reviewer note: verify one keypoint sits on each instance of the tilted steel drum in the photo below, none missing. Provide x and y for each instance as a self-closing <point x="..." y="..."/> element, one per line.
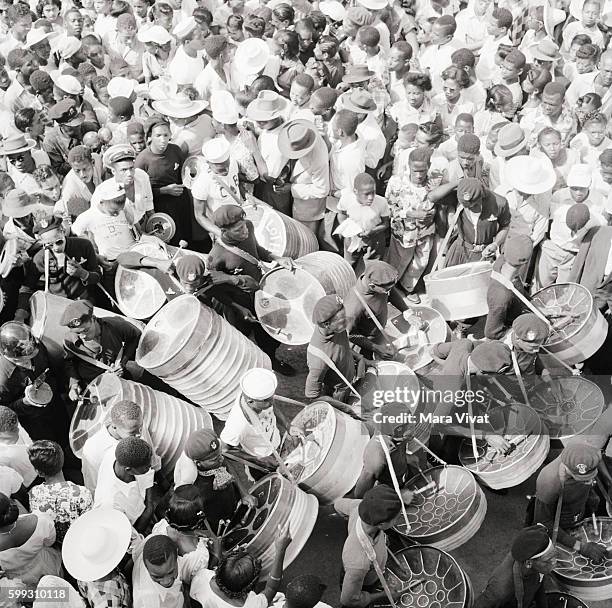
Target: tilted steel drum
<point x="198" y="353"/>
<point x="286" y="300"/>
<point x="558" y="599"/>
<point x="279" y="233"/>
<point x="328" y="458"/>
<point x="447" y="515"/>
<point x="568" y="406"/>
<point x="192" y="167"/>
<point x="169" y="420"/>
<point x="441" y="582"/>
<point x="584" y="328"/>
<point x="162" y="226"/>
<point x="522" y="427"/>
<point x="279" y="503"/>
<point x="460" y="292"/>
<point x="577" y="574"/>
<point x="46" y="310"/>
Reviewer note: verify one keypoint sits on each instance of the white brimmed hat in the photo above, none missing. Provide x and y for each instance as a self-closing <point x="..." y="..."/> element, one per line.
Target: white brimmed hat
<point x="156" y="34"/>
<point x="224" y="107"/>
<point x="333" y="9"/>
<point x="530" y="175"/>
<point x="268" y="106"/>
<point x="36" y="35"/>
<point x="185" y="27"/>
<point x="259" y="383"/>
<point x="180" y="107"/>
<point x="67" y="83"/>
<point x="297" y="138"/>
<point x="96" y="543"/>
<point x="121" y="87"/>
<point x="162" y="88"/>
<point x="251" y="56"/>
<point x="511" y="139"/>
<point x="216" y="150"/>
<point x="580" y="176"/>
<point x="68" y="47"/>
<point x="374" y="5"/>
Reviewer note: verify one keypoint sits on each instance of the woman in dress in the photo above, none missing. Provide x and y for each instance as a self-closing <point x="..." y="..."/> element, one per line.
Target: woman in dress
<point x="452" y="102"/>
<point x="416" y="107"/>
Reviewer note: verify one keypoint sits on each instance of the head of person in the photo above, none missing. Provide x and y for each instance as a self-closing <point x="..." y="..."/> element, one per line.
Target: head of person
<point x="48" y="182"/>
<point x="326" y="48"/>
<point x="254" y="26"/>
<point x="490" y="357"/>
<point x="577" y="217"/>
<point x="5" y="79"/>
<point x="9" y="426"/>
<point x="534" y="550"/>
<point x="160" y="558"/>
<point x="587" y="106"/>
<point x="535" y="81"/>
<point x="234" y="27"/>
<point x="47" y="457"/>
<point x="443" y="30"/>
<point x="580" y="461"/>
<point x="499" y="22"/>
<point x="231" y="220"/>
<point x="237" y="574"/>
<point x="549" y="140"/>
<point x="356" y="17"/>
<point x="470" y="193"/>
<point x="73" y="22"/>
<point x="586" y="58"/>
<point x="79" y="317"/>
<point x="23" y="61"/>
<point x="283" y="16"/>
<point x="454" y="81"/>
<point x="379" y="277"/>
<point x="329" y="315"/>
<point x="535" y="18"/>
<point x="430" y="134"/>
<point x="288" y="44"/>
<point x="368" y="39"/>
<point x="380" y="507"/>
<point x="364" y="187"/>
<point x="553" y="96"/>
<point x="81" y="163"/>
<point x="512" y="66"/>
<point x="499" y="99"/>
<point x="191" y="272"/>
<point x="304" y="591"/>
<point x="518" y="250"/>
<point x="19" y="19"/>
<point x="591" y="12"/>
<point x="51" y="235"/>
<point x="124" y="420"/>
<point x="307" y="34"/>
<point x="344" y="124"/>
<point x="419" y="161"/>
<point x="258" y="386"/>
<point x="186" y="509"/>
<point x="605" y="69"/>
<point x="41" y="48"/>
<point x="605" y="165"/>
<point x="17" y="344"/>
<point x="204" y="448"/>
<point x="529" y="333"/>
<point x="579" y="180"/>
<point x="464" y="124"/>
<point x="594" y="127"/>
<point x="468" y="151"/>
<point x="136" y="137"/>
<point x="133" y="456"/>
<point x="158" y="134"/>
<point x="216" y="153"/>
<point x="119" y="159"/>
<point x="322" y="102"/>
<point x="301" y="90"/>
<point x="399" y="56"/>
<point x="416" y="86"/>
<point x="464" y="59"/>
<point x="99" y="85"/>
<point x="9" y="511"/>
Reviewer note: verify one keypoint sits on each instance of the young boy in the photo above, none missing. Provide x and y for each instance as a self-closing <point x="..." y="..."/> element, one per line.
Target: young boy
<point x="437" y="57"/>
<point x="368" y="39"/>
<point x="510" y="72"/>
<point x="588" y="24"/>
<point x="79" y="184"/>
<point x="399" y="63"/>
<point x="120" y="113"/>
<point x="464" y="123"/>
<point x="570" y="68"/>
<point x="498" y="26"/>
<point x="326" y="51"/>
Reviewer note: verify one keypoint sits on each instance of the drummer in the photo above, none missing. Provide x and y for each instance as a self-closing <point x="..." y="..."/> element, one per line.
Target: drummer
<point x="529" y="333"/>
<point x="568" y="480"/>
<point x="96" y="345"/>
<point x="521" y="577"/>
<point x="370" y="297"/>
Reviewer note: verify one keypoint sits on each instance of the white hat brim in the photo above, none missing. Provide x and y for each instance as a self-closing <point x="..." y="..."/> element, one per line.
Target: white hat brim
<point x="546" y="180"/>
<point x="165" y="107"/>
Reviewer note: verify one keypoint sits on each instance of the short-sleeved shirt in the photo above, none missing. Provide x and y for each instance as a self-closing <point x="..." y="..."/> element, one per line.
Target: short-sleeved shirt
<point x="217" y="190"/>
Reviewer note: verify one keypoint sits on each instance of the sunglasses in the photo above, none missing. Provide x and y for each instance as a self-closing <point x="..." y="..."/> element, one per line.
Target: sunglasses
<point x="58" y="243"/>
<point x="18" y="158"/>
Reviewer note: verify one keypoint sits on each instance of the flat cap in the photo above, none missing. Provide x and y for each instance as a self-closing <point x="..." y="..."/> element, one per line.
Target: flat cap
<point x="326" y="308"/>
<point x="530" y="328"/>
<point x="518" y="249"/>
<point x="201" y="444"/>
<point x="227" y="215"/>
<point x="380" y="273"/>
<point x="65" y="112"/>
<point x="581" y="458"/>
<point x="190" y="267"/>
<point x="492" y="357"/>
<point x="76" y="311"/>
<point x="379" y="505"/>
<point x="469" y="189"/>
<point x="530" y="542"/>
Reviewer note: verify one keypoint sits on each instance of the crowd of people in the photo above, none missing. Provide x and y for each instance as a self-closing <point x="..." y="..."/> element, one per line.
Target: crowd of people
<point x="407" y="136"/>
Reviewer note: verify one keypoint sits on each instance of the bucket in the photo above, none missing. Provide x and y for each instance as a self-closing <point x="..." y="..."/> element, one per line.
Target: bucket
<point x="460" y="292"/>
<point x="584" y="336"/>
<point x="522" y="426"/>
<point x="287" y="298"/>
<point x="330" y="458"/>
<point x="577" y="574"/>
<point x="46" y="310"/>
<point x="169" y="420"/>
<point x="198" y="353"/>
<point x="279" y="233"/>
<point x="447" y="515"/>
<point x="279" y="502"/>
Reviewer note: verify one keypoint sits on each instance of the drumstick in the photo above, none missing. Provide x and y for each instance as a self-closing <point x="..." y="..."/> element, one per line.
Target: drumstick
<point x="47" y="254"/>
<point x="595" y="523"/>
<point x="431" y="484"/>
<point x="182" y="245"/>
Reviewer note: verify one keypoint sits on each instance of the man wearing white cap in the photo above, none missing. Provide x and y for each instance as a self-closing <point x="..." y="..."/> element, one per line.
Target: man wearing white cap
<point x="252" y="58"/>
<point x="251" y="424"/>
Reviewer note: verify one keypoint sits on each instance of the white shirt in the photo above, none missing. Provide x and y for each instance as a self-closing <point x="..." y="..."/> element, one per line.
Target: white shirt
<point x="16" y="457"/>
<point x="345" y="164"/>
<point x="208" y="81"/>
<point x="215" y="189"/>
<point x="10" y="480"/>
<point x="270" y="151"/>
<point x="374" y="139"/>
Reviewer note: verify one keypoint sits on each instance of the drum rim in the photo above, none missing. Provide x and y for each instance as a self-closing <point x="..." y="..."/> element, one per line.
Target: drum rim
<point x="484" y="268"/>
<point x="580" y="603"/>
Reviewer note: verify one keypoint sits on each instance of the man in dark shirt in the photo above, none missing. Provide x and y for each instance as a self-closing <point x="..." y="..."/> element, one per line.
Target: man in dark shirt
<point x="529" y="333"/>
<point x="66" y="134"/>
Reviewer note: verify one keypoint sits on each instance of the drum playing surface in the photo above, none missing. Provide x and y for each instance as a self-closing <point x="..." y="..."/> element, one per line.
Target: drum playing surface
<point x="558" y="599"/>
<point x="567" y="406"/>
<point x="441" y="581"/>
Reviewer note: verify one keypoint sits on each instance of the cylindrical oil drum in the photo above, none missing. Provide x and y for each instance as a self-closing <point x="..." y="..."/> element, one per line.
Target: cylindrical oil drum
<point x="169" y="420"/>
<point x="412" y="342"/>
<point x="522" y="427"/>
<point x="460" y="292"/>
<point x="279" y="233"/>
<point x="558" y="599"/>
<point x="46" y="310"/>
<point x="198" y="353"/>
<point x="279" y="503"/>
<point x="577" y="574"/>
<point x="579" y="327"/>
<point x="326" y="451"/>
<point x="434" y="579"/>
<point x="139" y="295"/>
<point x="447" y="510"/>
<point x="287" y="298"/>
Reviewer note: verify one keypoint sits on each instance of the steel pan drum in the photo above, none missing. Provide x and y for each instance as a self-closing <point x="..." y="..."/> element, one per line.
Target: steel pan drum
<point x="328" y="462"/>
<point x="279" y="233"/>
<point x="169" y="420"/>
<point x="287" y="298"/>
<point x="162" y="226"/>
<point x="569" y="408"/>
<point x="198" y="353"/>
<point x="444" y="583"/>
<point x="279" y="503"/>
<point x="577" y="574"/>
<point x="521" y="425"/>
<point x="558" y="599"/>
<point x="192" y="167"/>
<point x="449" y="514"/>
<point x="46" y="310"/>
<point x="584" y="335"/>
<point x="460" y="292"/>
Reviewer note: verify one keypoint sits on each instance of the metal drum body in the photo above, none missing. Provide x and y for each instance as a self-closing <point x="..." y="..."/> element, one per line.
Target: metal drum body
<point x="279" y="503"/>
<point x="577" y="574"/>
<point x="279" y="233"/>
<point x="46" y="310"/>
<point x="558" y="599"/>
<point x="334" y="455"/>
<point x="287" y="298"/>
<point x="587" y="332"/>
<point x="460" y="292"/>
<point x="198" y="353"/>
<point x="445" y="584"/>
<point x="139" y="295"/>
<point x="449" y="515"/>
<point x="169" y="420"/>
<point x="499" y="471"/>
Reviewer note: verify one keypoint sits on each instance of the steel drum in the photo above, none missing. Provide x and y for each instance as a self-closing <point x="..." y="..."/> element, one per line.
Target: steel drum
<point x="442" y="583"/>
<point x="162" y="226"/>
<point x="520" y="425"/>
<point x="46" y="310"/>
<point x="279" y="503"/>
<point x="460" y="292"/>
<point x="279" y="233"/>
<point x="447" y="515"/>
<point x="287" y="298"/>
<point x="586" y="330"/>
<point x="192" y="167"/>
<point x="169" y="420"/>
<point x="328" y="460"/>
<point x="558" y="599"/>
<point x="11" y="246"/>
<point x="577" y="574"/>
<point x="198" y="353"/>
<point x="570" y="407"/>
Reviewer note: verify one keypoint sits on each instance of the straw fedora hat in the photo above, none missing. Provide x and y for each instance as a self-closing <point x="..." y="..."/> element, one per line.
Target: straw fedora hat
<point x="180" y="107"/>
<point x="95" y="543"/>
<point x="297" y="138"/>
<point x="545" y="50"/>
<point x="14" y="144"/>
<point x="359" y="101"/>
<point x="268" y="106"/>
<point x="251" y="56"/>
<point x="18" y="203"/>
<point x="530" y="175"/>
<point x="510" y="140"/>
<point x="357" y="73"/>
